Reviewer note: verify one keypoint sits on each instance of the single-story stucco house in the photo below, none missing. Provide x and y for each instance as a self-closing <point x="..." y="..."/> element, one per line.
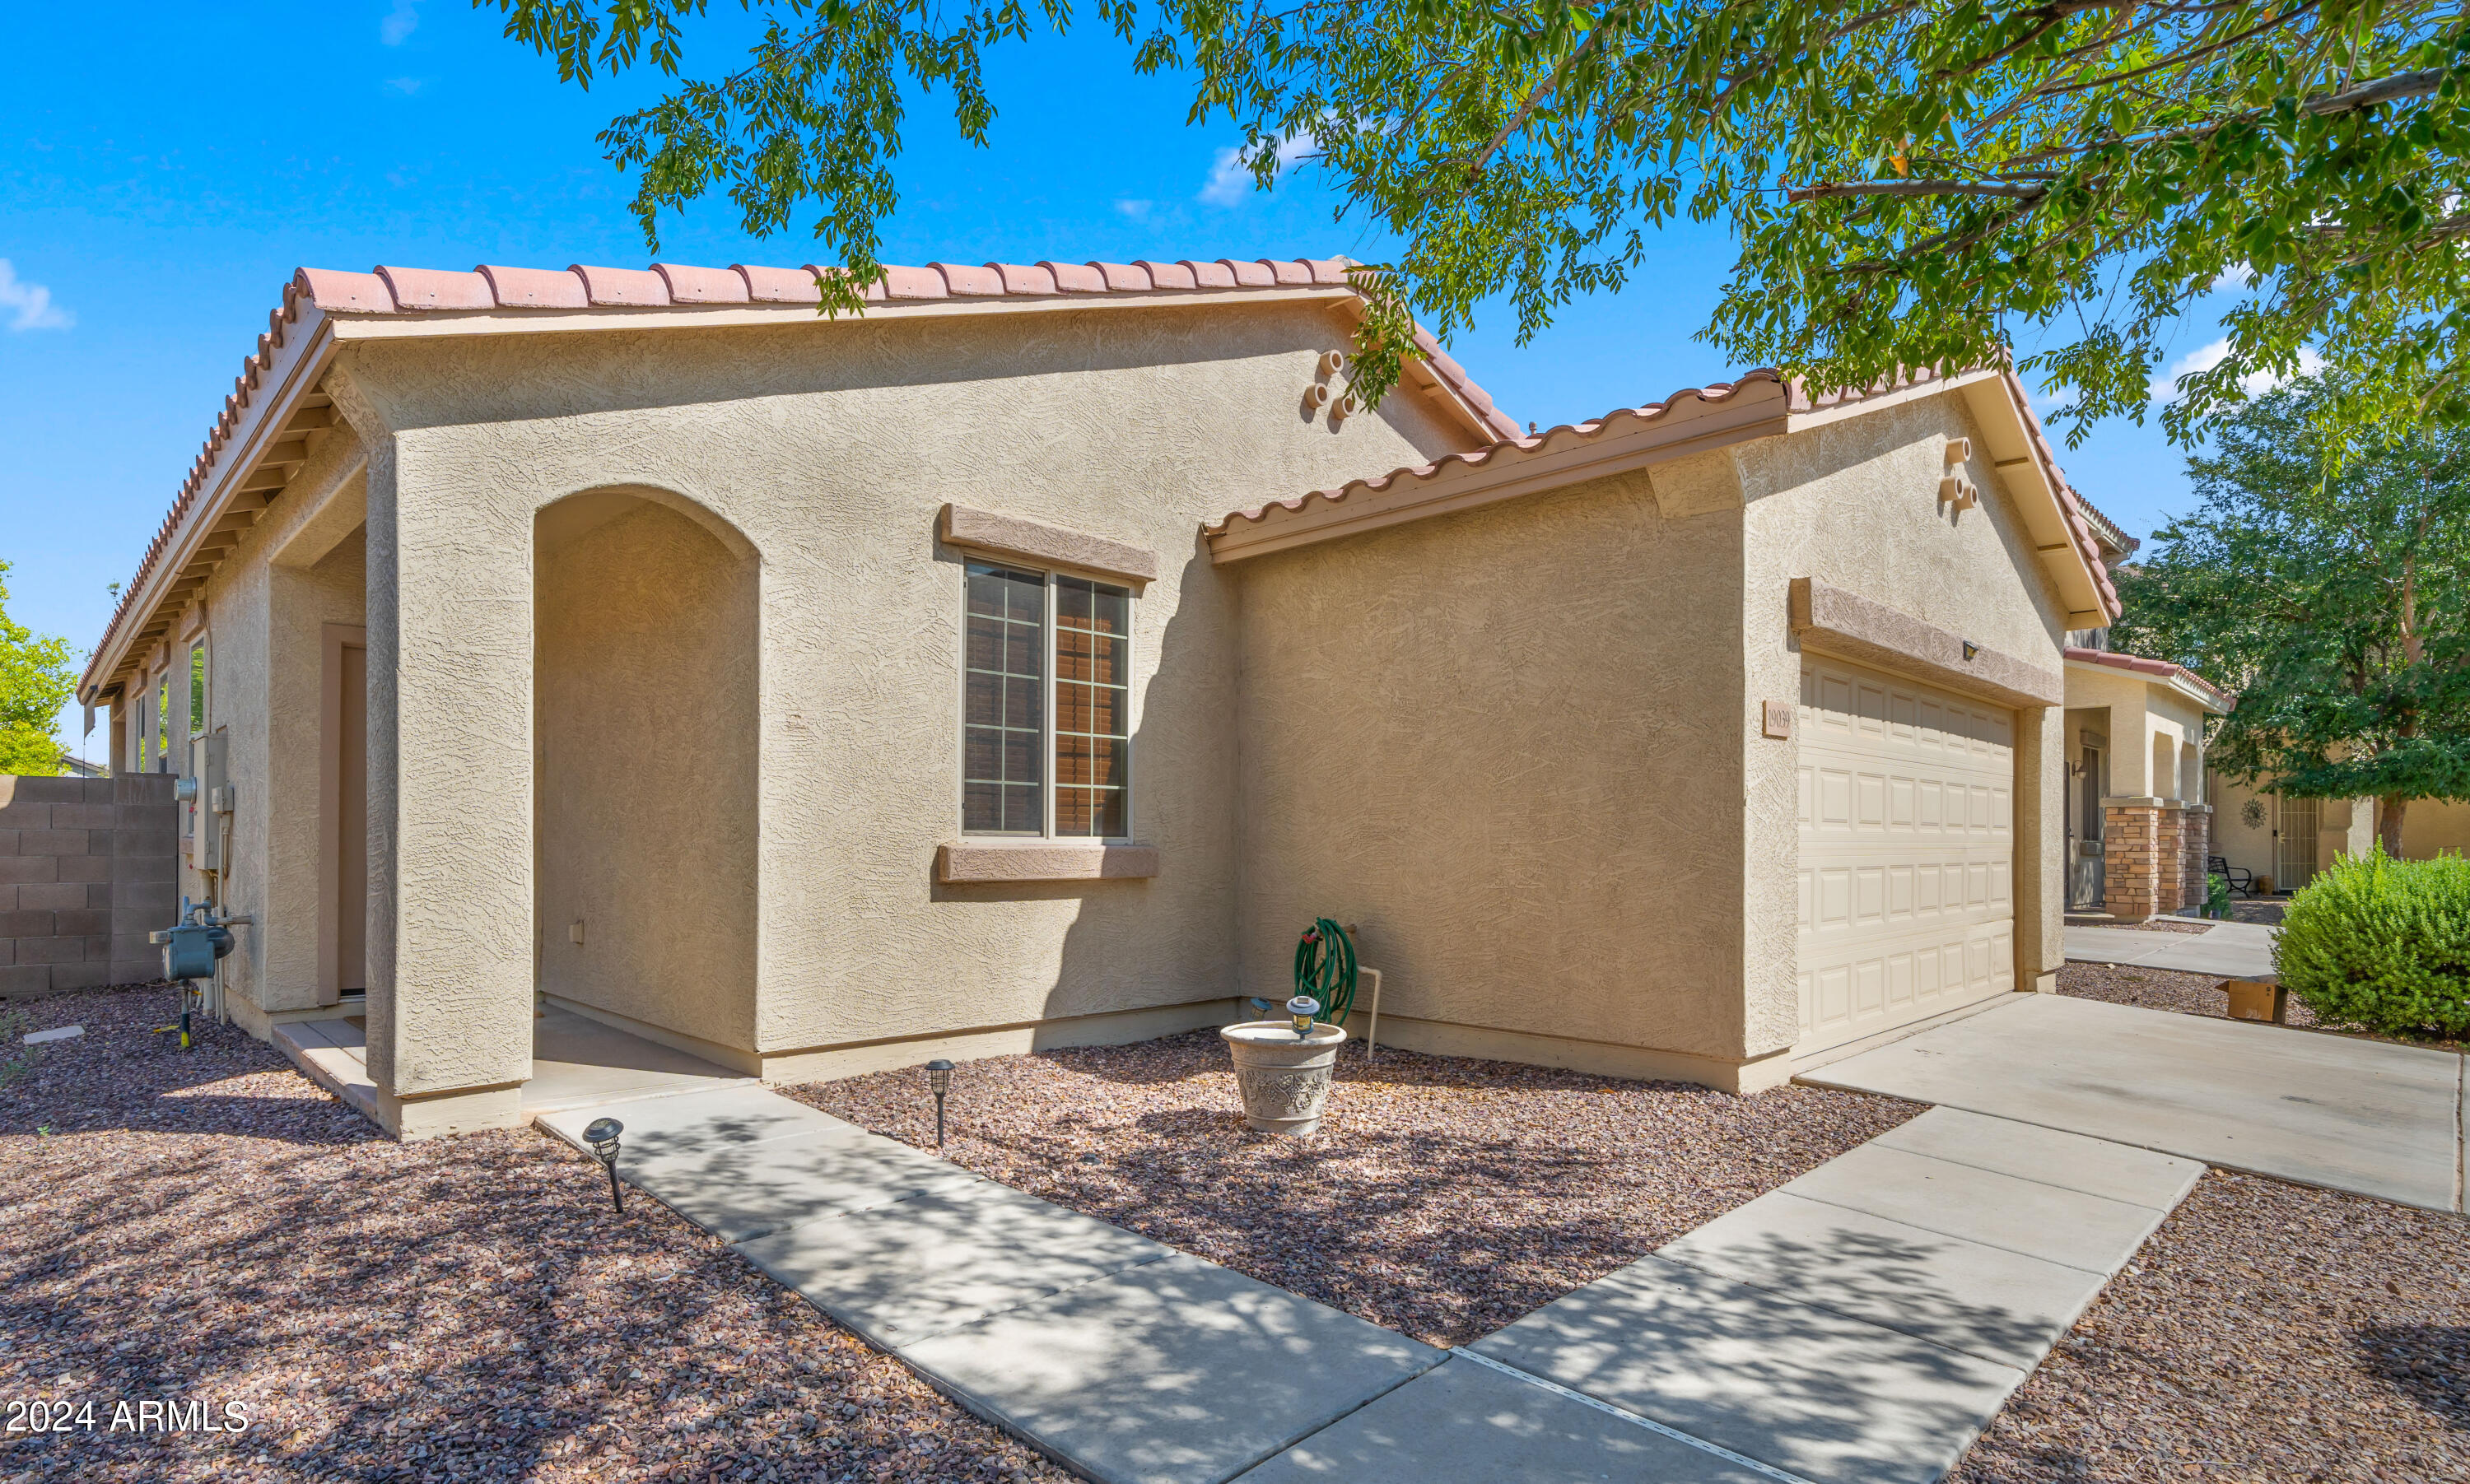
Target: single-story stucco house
<point x="1028" y="660"/>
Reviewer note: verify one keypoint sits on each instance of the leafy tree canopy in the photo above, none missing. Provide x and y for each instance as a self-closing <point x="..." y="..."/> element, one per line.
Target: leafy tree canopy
<point x="38" y="677"/>
<point x="1912" y="182"/>
<point x="2335" y="600"/>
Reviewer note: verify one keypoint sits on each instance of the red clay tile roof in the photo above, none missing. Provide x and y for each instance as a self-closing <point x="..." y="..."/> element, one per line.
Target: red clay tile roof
<point x="2071" y="506"/>
<point x="2160" y="669"/>
<point x="410" y="290"/>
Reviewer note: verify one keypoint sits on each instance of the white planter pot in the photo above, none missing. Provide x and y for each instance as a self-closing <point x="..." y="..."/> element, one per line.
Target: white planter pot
<point x="1285" y="1080"/>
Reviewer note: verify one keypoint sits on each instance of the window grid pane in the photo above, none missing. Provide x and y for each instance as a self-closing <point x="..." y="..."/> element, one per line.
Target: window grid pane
<point x="1003" y="709"/>
<point x="1093" y="708"/>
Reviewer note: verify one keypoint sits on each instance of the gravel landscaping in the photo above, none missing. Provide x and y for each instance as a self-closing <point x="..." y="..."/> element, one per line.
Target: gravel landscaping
<point x="2266" y="1332"/>
<point x="212" y="1227"/>
<point x="1443" y="1197"/>
<point x="2162" y="989"/>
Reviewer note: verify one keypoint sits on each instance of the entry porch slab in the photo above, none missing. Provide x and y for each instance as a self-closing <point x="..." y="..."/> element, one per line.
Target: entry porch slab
<point x="2341" y="1112"/>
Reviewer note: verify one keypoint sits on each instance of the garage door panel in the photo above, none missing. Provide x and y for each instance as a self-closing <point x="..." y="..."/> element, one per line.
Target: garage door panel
<point x="1907" y="851"/>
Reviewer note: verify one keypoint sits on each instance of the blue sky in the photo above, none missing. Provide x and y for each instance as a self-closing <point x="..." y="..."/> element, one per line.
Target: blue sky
<point x="158" y="185"/>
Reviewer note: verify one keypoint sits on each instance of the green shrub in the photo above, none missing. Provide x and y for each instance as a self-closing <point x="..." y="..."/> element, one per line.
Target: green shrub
<point x="2217" y="897"/>
<point x="2383" y="946"/>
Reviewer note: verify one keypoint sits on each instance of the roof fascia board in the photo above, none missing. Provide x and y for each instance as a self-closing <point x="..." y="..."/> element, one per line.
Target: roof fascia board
<point x="1459" y="486"/>
<point x="303" y="360"/>
<point x="349" y="326"/>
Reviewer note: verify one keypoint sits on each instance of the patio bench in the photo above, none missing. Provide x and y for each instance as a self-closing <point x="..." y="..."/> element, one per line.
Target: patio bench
<point x="2240" y="878"/>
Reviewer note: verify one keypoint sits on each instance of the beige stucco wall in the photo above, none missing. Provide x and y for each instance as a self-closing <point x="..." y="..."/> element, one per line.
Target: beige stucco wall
<point x="296" y="569"/>
<point x="2432" y="826"/>
<point x="1501" y="743"/>
<point x="2144" y="720"/>
<point x="645" y="739"/>
<point x="829" y="447"/>
<point x="1854" y="504"/>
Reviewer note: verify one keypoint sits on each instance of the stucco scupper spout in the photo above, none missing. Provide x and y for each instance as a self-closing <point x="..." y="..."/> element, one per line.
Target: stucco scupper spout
<point x="1853" y="627"/>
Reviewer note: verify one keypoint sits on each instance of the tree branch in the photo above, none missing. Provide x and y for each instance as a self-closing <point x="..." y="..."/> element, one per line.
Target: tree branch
<point x="1832" y="188"/>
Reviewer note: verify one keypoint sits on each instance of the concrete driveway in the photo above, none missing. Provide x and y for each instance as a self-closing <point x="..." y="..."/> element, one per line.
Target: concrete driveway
<point x="2329" y="1110"/>
<point x="2232" y="950"/>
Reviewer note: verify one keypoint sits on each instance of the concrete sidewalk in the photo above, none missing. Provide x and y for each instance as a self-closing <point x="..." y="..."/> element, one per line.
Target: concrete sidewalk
<point x="2232" y="950"/>
<point x="1861" y="1323"/>
<point x="2343" y="1112"/>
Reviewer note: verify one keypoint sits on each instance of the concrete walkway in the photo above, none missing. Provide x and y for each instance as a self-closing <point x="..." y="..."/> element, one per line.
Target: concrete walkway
<point x="2343" y="1112"/>
<point x="1861" y="1323"/>
<point x="2232" y="950"/>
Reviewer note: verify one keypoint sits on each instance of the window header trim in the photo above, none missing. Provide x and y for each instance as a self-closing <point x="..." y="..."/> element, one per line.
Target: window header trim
<point x="1039" y="544"/>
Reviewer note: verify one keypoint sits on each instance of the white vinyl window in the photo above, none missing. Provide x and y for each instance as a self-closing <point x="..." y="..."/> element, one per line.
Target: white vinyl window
<point x="1047" y="705"/>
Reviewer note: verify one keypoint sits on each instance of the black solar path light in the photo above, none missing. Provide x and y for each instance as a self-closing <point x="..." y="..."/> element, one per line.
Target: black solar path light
<point x="938" y="1076"/>
<point x="602" y="1135"/>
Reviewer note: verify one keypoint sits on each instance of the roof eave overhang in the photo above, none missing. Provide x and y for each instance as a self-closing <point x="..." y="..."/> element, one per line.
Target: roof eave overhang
<point x="1483" y="424"/>
<point x="1565" y="456"/>
<point x="2181" y="683"/>
<point x="2033" y="490"/>
<point x="170" y="582"/>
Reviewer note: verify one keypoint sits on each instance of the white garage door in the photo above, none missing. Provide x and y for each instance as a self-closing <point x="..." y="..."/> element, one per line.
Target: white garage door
<point x="1907" y="851"/>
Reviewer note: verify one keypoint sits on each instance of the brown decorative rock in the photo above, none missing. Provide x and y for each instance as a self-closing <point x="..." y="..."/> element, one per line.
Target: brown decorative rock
<point x="1284" y="1077"/>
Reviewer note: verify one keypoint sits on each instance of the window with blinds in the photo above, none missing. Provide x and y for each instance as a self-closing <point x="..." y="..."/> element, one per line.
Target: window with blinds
<point x="1048" y="662"/>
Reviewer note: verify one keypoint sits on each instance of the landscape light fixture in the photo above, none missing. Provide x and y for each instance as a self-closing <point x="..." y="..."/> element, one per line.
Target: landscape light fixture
<point x="602" y="1135"/>
<point x="1303" y="1007"/>
<point x="938" y="1076"/>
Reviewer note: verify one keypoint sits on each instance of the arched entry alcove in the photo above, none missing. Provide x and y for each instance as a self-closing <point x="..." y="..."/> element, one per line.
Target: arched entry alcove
<point x="645" y="697"/>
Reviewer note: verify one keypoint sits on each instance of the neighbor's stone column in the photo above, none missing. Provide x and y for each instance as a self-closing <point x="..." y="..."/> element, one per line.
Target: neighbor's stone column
<point x="2134" y="857"/>
<point x="2195" y="846"/>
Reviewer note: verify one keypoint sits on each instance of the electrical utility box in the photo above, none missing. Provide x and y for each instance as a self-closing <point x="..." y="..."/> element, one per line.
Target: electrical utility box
<point x="210" y="802"/>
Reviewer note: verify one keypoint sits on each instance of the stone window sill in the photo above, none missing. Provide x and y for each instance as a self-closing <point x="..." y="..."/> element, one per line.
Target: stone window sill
<point x="974" y="860"/>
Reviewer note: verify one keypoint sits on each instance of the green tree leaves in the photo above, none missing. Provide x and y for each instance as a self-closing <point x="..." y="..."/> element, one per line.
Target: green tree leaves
<point x="38" y="677"/>
<point x="2333" y="597"/>
<point x="1917" y="182"/>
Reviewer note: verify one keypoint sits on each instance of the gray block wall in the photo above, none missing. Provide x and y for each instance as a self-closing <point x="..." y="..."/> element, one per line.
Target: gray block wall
<point x="89" y="867"/>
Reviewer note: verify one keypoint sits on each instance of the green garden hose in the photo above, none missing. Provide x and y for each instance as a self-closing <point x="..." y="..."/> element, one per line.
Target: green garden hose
<point x="1325" y="969"/>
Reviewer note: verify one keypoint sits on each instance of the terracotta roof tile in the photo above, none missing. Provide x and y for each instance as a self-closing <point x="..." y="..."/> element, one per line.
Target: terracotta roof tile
<point x="779" y="285"/>
<point x="691" y="285"/>
<point x="523" y="288"/>
<point x="618" y="286"/>
<point x="436" y="289"/>
<point x="970" y="278"/>
<point x="1033" y="278"/>
<point x="410" y="290"/>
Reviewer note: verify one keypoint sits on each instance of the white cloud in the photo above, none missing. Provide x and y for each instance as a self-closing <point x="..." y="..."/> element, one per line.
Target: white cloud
<point x="1138" y="210"/>
<point x="407" y="87"/>
<point x="399" y="22"/>
<point x="1230" y="179"/>
<point x="2203" y="357"/>
<point x="31" y="303"/>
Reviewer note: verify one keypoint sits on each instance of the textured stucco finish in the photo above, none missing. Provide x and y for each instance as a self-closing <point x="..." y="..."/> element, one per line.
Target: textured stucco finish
<point x="829" y="447"/>
<point x="644" y="736"/>
<point x="1854" y="504"/>
<point x="1521" y="746"/>
<point x="299" y="568"/>
<point x="1505" y="744"/>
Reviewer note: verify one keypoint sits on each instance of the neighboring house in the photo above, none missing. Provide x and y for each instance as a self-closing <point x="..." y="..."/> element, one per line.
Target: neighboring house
<point x="820" y="695"/>
<point x="2146" y="816"/>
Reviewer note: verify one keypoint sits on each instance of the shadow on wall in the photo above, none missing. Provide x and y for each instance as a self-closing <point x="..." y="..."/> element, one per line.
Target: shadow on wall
<point x="646" y="671"/>
<point x="1167" y="940"/>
